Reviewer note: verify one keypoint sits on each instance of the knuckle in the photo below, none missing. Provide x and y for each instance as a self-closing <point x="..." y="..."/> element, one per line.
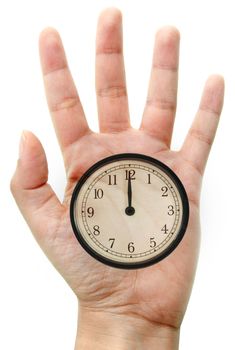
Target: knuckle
<point x="201" y="136"/>
<point x="112" y="91"/>
<point x="65" y="104"/>
<point x="161" y="104"/>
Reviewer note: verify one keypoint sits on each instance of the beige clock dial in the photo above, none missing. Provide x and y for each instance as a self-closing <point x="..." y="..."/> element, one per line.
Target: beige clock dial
<point x="129" y="211"/>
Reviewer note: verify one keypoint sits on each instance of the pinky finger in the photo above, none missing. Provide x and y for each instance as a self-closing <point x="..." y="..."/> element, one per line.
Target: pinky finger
<point x="197" y="145"/>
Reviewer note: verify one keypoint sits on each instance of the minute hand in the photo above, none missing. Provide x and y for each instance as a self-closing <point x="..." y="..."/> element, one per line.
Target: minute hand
<point x="129" y="210"/>
<point x="129" y="192"/>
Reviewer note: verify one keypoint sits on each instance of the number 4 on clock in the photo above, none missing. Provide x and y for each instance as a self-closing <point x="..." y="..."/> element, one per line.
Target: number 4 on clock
<point x="164" y="229"/>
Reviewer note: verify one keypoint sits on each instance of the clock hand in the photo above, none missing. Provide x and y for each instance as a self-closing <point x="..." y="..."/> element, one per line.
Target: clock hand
<point x="129" y="191"/>
<point x="129" y="210"/>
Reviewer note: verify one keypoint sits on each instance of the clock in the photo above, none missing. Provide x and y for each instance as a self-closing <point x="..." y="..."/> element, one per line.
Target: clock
<point x="129" y="211"/>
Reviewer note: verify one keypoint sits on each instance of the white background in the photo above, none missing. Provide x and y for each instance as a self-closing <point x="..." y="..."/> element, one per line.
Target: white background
<point x="37" y="309"/>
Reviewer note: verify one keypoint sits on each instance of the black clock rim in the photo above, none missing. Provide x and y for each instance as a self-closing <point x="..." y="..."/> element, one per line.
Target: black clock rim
<point x="174" y="178"/>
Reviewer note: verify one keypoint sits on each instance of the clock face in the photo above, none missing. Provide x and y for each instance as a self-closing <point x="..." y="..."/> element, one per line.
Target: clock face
<point x="129" y="211"/>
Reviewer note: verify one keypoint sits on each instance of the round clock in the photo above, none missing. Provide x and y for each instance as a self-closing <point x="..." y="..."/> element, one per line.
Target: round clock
<point x="129" y="211"/>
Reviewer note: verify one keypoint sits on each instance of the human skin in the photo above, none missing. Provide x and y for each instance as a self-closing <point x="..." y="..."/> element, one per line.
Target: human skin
<point x="118" y="309"/>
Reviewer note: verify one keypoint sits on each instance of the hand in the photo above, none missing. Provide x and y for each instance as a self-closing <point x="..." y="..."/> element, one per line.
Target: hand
<point x="129" y="210"/>
<point x="151" y="301"/>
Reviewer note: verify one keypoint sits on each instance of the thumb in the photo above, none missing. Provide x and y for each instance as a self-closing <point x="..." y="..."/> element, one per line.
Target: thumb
<point x="35" y="198"/>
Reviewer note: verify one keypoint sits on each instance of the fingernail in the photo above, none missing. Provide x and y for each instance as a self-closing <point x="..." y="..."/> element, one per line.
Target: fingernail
<point x="22" y="144"/>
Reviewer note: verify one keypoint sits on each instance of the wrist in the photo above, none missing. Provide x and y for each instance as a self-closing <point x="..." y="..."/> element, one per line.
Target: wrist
<point x="105" y="330"/>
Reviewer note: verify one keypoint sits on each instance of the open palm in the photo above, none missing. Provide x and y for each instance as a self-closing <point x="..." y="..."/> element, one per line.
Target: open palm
<point x="158" y="293"/>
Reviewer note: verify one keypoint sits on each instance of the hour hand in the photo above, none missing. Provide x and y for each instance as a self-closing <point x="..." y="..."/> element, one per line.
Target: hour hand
<point x="129" y="210"/>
